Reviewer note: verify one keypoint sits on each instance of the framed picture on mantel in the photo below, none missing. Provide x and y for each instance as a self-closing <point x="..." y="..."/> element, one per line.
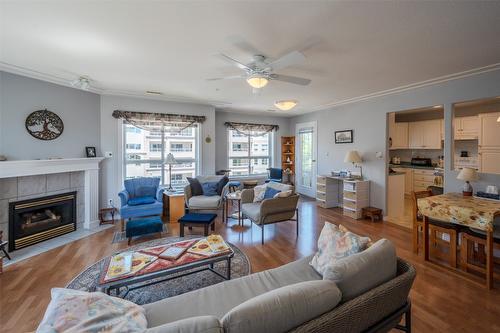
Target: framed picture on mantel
<point x="344" y="136"/>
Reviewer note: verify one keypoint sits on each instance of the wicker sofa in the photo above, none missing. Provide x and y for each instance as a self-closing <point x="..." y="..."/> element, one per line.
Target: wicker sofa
<point x="224" y="308"/>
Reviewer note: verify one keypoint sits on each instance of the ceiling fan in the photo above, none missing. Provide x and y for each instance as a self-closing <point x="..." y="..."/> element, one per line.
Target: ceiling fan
<point x="260" y="71"/>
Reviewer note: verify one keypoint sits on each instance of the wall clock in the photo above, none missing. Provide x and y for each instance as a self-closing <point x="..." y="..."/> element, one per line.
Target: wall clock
<point x="44" y="125"/>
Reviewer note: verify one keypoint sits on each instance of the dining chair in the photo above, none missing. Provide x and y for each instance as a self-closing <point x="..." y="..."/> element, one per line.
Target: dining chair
<point x="442" y="236"/>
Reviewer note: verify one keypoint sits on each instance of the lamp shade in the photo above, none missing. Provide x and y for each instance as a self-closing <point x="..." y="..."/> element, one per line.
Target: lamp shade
<point x="257" y="81"/>
<point x="467" y="174"/>
<point x="170" y="159"/>
<point x="352" y="157"/>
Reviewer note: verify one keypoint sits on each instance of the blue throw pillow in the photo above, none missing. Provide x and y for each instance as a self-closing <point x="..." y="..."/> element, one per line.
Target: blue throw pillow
<point x="210" y="188"/>
<point x="270" y="193"/>
<point x="141" y="201"/>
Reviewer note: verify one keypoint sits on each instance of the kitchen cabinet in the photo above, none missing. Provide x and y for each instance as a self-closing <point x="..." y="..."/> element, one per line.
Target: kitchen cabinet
<point x="489" y="137"/>
<point x="489" y="161"/>
<point x="395" y="196"/>
<point x="422" y="178"/>
<point x="398" y="133"/>
<point x="408" y="188"/>
<point x="424" y="134"/>
<point x="466" y="128"/>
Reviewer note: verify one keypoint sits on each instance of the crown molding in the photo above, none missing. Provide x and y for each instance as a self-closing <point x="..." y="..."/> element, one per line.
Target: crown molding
<point x="437" y="80"/>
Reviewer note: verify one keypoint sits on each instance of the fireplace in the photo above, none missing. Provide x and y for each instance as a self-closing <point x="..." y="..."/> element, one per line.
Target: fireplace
<point x="36" y="220"/>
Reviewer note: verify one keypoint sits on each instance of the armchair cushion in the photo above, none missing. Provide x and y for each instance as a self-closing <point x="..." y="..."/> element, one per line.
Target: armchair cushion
<point x="210" y="189"/>
<point x="144" y="186"/>
<point x="259" y="192"/>
<point x="252" y="211"/>
<point x="204" y="202"/>
<point x="283" y="194"/>
<point x="141" y="201"/>
<point x="270" y="192"/>
<point x="145" y="191"/>
<point x="195" y="185"/>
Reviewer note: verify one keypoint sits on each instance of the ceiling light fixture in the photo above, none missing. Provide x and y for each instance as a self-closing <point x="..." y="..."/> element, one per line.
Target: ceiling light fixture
<point x="257" y="81"/>
<point x="286" y="105"/>
<point x="82" y="82"/>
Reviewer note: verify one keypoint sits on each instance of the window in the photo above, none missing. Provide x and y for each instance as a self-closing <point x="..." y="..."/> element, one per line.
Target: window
<point x="134" y="146"/>
<point x="249" y="155"/>
<point x="150" y="162"/>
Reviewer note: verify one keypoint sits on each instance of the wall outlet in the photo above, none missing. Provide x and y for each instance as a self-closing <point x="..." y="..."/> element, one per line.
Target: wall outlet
<point x="108" y="154"/>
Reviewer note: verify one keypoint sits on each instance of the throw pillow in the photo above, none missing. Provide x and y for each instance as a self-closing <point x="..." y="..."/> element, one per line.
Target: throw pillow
<point x="334" y="244"/>
<point x="258" y="193"/>
<point x="209" y="188"/>
<point x="145" y="191"/>
<point x="80" y="311"/>
<point x="270" y="193"/>
<point x="220" y="185"/>
<point x="141" y="201"/>
<point x="283" y="194"/>
<point x="195" y="185"/>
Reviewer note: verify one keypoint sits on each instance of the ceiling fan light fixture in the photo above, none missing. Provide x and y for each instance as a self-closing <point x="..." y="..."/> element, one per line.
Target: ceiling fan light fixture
<point x="257" y="81"/>
<point x="285" y="105"/>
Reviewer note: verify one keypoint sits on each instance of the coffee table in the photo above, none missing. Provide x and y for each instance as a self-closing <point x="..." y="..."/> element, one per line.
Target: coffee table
<point x="199" y="264"/>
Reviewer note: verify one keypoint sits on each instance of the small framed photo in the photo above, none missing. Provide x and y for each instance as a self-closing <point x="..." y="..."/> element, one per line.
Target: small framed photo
<point x="344" y="136"/>
<point x="90" y="151"/>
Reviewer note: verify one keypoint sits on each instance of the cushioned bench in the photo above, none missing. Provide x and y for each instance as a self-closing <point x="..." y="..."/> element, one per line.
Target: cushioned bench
<point x="143" y="226"/>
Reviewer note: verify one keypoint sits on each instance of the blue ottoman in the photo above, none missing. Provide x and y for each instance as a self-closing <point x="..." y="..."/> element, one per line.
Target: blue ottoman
<point x="143" y="226"/>
<point x="197" y="220"/>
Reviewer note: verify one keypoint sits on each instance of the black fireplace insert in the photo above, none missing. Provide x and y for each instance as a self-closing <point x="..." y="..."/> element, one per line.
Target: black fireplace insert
<point x="36" y="220"/>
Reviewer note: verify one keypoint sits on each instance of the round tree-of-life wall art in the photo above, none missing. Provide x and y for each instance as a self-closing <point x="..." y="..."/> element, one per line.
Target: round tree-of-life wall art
<point x="44" y="125"/>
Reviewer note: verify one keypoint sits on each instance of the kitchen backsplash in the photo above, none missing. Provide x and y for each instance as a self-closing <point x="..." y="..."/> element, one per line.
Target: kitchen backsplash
<point x="407" y="154"/>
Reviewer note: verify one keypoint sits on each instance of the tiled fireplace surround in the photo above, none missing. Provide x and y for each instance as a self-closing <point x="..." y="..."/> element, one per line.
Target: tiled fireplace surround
<point x="20" y="180"/>
<point x="30" y="187"/>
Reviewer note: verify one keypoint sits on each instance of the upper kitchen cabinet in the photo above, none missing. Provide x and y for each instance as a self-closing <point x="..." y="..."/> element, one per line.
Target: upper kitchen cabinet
<point x="489" y="137"/>
<point x="398" y="133"/>
<point x="466" y="128"/>
<point x="424" y="134"/>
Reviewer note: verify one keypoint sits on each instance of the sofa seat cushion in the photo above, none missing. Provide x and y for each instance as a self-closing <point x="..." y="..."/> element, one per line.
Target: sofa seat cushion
<point x="208" y="301"/>
<point x="251" y="210"/>
<point x="360" y="272"/>
<point x="283" y="309"/>
<point x="137" y="201"/>
<point x="128" y="211"/>
<point x="204" y="324"/>
<point x="204" y="202"/>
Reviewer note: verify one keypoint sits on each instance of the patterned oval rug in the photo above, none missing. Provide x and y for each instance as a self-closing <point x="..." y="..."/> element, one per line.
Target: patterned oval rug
<point x="240" y="266"/>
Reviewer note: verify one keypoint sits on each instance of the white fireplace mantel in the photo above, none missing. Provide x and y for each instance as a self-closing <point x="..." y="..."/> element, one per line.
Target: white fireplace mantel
<point x="90" y="167"/>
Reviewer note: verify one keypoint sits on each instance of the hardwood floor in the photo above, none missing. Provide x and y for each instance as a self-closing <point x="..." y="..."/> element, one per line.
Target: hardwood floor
<point x="443" y="301"/>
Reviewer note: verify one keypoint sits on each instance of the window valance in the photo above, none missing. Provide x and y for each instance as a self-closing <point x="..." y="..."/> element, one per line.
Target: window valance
<point x="148" y="119"/>
<point x="251" y="129"/>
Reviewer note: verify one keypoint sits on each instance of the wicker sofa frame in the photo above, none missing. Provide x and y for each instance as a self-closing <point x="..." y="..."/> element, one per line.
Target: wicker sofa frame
<point x="378" y="310"/>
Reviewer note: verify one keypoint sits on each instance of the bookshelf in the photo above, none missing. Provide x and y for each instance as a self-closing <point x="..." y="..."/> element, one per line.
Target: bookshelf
<point x="288" y="158"/>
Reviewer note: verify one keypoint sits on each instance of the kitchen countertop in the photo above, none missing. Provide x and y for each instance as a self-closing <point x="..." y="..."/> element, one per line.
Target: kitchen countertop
<point x="408" y="165"/>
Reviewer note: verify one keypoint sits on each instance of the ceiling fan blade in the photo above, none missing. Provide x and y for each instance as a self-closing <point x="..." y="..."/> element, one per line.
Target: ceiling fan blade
<point x="235" y="62"/>
<point x="290" y="79"/>
<point x="289" y="59"/>
<point x="226" y="78"/>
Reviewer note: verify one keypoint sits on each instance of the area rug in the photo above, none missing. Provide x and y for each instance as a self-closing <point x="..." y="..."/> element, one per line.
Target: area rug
<point x="240" y="266"/>
<point x="120" y="236"/>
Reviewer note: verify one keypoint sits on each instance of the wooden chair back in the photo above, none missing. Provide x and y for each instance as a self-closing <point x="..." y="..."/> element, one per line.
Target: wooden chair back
<point x="415" y="196"/>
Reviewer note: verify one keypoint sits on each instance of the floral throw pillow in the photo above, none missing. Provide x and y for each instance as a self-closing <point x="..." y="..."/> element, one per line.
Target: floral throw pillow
<point x="79" y="311"/>
<point x="259" y="192"/>
<point x="335" y="243"/>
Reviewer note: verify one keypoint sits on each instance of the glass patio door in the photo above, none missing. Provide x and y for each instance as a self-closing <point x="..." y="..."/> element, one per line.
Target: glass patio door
<point x="305" y="178"/>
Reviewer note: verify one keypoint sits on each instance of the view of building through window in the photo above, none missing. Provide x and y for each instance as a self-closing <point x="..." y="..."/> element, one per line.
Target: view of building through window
<point x="145" y="153"/>
<point x="249" y="155"/>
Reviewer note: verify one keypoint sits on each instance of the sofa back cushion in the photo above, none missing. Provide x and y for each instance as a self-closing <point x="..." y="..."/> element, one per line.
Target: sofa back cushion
<point x="205" y="324"/>
<point x="209" y="188"/>
<point x="280" y="186"/>
<point x="270" y="193"/>
<point x="358" y="273"/>
<point x="282" y="309"/>
<point x="209" y="178"/>
<point x="142" y="187"/>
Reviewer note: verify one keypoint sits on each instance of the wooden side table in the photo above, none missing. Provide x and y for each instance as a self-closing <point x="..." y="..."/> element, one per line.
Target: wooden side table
<point x="173" y="205"/>
<point x="103" y="212"/>
<point x="372" y="212"/>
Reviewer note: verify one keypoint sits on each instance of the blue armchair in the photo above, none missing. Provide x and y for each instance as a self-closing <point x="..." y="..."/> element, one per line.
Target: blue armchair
<point x="141" y="197"/>
<point x="275" y="175"/>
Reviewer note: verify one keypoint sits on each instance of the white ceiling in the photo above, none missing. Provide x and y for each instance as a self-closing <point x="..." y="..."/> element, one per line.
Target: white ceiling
<point x="352" y="48"/>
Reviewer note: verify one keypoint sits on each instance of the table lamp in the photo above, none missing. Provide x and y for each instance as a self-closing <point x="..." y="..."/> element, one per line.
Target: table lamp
<point x="467" y="174"/>
<point x="353" y="157"/>
<point x="170" y="160"/>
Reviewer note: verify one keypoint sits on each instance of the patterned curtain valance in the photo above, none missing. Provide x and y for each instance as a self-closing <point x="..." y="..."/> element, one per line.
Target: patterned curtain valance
<point x="251" y="129"/>
<point x="147" y="119"/>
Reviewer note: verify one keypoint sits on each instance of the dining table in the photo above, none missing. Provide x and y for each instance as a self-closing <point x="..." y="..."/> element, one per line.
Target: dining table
<point x="469" y="211"/>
